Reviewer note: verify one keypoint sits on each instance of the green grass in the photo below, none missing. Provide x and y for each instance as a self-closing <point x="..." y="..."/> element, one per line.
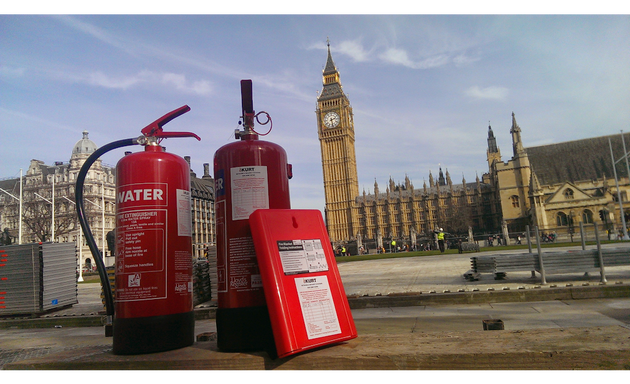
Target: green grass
<point x="90" y="278"/>
<point x="455" y="251"/>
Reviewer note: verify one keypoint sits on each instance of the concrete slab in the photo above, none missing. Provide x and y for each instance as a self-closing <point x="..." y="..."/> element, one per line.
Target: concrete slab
<point x="575" y="348"/>
<point x="419" y="313"/>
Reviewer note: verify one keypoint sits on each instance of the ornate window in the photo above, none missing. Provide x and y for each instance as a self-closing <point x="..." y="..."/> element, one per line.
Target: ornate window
<point x="568" y="193"/>
<point x="562" y="220"/>
<point x="587" y="217"/>
<point x="515" y="202"/>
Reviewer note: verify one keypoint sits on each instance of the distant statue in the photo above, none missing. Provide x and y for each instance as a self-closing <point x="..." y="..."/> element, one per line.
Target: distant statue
<point x="5" y="238"/>
<point x="111" y="242"/>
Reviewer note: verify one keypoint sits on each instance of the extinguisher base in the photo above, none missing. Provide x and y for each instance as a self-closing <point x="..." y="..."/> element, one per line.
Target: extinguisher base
<point x="139" y="335"/>
<point x="245" y="329"/>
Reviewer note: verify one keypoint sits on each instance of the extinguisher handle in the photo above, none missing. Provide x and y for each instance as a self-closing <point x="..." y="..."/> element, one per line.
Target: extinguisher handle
<point x="177" y="134"/>
<point x="247" y="100"/>
<point x="155" y="128"/>
<point x="247" y="104"/>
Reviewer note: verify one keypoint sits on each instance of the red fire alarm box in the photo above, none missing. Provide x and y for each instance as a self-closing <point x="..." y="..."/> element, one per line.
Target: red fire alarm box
<point x="307" y="303"/>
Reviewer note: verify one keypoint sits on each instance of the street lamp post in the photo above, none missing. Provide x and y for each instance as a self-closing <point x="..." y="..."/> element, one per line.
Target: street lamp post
<point x="614" y="163"/>
<point x="52" y="224"/>
<point x="52" y="203"/>
<point x="80" y="241"/>
<point x="103" y="219"/>
<point x="20" y="210"/>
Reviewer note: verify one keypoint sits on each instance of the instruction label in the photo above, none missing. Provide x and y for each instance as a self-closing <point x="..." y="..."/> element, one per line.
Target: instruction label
<point x="250" y="190"/>
<point x="318" y="307"/>
<point x="141" y="226"/>
<point x="302" y="256"/>
<point x="184" y="217"/>
<point x="243" y="272"/>
<point x="142" y="273"/>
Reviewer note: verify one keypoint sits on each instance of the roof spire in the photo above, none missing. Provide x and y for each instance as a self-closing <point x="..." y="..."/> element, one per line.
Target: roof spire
<point x="330" y="64"/>
<point x="517" y="144"/>
<point x="330" y="79"/>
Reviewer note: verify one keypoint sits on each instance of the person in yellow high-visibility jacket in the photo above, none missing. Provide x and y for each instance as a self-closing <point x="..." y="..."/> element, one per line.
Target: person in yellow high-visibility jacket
<point x="440" y="237"/>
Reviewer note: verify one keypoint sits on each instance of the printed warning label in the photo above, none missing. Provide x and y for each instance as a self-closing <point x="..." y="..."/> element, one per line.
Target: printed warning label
<point x="184" y="218"/>
<point x="302" y="256"/>
<point x="250" y="191"/>
<point x="318" y="307"/>
<point x="141" y="254"/>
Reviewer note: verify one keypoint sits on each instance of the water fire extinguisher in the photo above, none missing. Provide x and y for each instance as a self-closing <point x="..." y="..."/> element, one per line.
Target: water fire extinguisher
<point x="153" y="309"/>
<point x="249" y="174"/>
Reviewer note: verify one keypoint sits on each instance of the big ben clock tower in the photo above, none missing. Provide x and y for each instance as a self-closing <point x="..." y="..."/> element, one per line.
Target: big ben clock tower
<point x="335" y="127"/>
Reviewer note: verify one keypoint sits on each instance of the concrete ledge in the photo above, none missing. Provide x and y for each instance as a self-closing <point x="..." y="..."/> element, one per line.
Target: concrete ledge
<point x="557" y="349"/>
<point x="81" y="320"/>
<point x="476" y="297"/>
<point x="407" y="299"/>
<point x="52" y="321"/>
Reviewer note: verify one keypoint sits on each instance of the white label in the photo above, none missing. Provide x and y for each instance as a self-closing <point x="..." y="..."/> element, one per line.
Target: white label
<point x="184" y="218"/>
<point x="141" y="254"/>
<point x="302" y="256"/>
<point x="250" y="191"/>
<point x="318" y="307"/>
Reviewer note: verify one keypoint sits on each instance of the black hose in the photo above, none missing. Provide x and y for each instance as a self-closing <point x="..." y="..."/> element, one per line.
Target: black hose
<point x="78" y="194"/>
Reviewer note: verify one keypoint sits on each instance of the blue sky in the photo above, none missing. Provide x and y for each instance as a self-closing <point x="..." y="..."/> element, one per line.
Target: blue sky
<point x="423" y="87"/>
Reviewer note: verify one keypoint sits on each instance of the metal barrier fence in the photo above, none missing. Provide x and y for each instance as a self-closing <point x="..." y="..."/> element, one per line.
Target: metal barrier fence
<point x="36" y="278"/>
<point x="552" y="262"/>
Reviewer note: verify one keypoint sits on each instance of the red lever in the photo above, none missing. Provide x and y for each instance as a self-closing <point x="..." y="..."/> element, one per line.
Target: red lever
<point x="155" y="128"/>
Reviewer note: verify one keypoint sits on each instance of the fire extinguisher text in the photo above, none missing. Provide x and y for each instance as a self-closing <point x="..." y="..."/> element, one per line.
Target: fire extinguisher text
<point x="140" y="194"/>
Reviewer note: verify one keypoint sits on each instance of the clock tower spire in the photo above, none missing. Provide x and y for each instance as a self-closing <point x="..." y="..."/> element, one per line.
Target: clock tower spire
<point x="335" y="126"/>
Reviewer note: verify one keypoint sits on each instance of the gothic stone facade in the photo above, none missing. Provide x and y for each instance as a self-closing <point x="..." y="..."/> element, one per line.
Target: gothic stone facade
<point x="553" y="187"/>
<point x="402" y="211"/>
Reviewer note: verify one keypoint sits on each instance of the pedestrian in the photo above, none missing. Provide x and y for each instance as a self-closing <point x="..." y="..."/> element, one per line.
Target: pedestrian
<point x="440" y="237"/>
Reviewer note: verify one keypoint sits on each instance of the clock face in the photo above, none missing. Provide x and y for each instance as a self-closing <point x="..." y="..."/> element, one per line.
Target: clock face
<point x="331" y="120"/>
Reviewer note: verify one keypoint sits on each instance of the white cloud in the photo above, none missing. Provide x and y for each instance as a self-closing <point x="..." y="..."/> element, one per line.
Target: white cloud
<point x="398" y="56"/>
<point x="433" y="62"/>
<point x="395" y="56"/>
<point x="488" y="93"/>
<point x="200" y="87"/>
<point x="6" y="71"/>
<point x="353" y="49"/>
<point x="96" y="33"/>
<point x="463" y="59"/>
<point x="102" y="80"/>
<point x="150" y="78"/>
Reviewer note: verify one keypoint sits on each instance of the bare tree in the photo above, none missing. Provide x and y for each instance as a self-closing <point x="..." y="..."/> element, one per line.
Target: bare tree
<point x="38" y="217"/>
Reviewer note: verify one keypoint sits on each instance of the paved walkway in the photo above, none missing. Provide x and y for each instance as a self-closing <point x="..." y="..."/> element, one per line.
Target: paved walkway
<point x="427" y="274"/>
<point x="436" y="274"/>
<point x="430" y="274"/>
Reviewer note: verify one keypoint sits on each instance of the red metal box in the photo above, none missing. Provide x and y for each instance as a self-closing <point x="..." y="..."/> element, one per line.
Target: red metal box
<point x="307" y="303"/>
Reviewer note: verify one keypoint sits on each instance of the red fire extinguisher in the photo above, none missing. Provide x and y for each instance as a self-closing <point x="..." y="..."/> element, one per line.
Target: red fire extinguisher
<point x="153" y="284"/>
<point x="249" y="174"/>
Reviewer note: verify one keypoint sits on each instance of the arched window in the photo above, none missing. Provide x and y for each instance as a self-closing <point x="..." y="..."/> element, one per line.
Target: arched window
<point x="568" y="193"/>
<point x="587" y="217"/>
<point x="562" y="220"/>
<point x="514" y="199"/>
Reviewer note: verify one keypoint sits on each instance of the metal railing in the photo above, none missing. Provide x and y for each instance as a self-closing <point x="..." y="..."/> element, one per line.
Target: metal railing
<point x="552" y="262"/>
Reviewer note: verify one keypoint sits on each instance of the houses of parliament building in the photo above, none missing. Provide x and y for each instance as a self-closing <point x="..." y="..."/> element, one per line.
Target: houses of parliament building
<point x="553" y="187"/>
